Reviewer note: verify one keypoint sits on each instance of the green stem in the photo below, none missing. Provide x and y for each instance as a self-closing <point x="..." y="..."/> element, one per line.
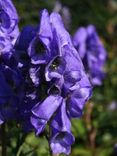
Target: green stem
<point x="19" y="150"/>
<point x="20" y="143"/>
<point x="3" y="139"/>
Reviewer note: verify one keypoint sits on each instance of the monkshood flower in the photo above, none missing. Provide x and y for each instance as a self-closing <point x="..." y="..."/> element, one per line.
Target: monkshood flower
<point x="10" y="76"/>
<point x="92" y="53"/>
<point x="10" y="80"/>
<point x="56" y="74"/>
<point x="56" y="86"/>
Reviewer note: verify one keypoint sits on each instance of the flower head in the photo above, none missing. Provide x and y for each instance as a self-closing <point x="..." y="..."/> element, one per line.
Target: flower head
<point x="63" y="86"/>
<point x="92" y="53"/>
<point x="55" y="87"/>
<point x="10" y="76"/>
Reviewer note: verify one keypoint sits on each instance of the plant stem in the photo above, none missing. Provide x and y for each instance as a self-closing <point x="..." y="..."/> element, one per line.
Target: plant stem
<point x="19" y="150"/>
<point x="92" y="131"/>
<point x="55" y="154"/>
<point x="3" y="139"/>
<point x="20" y="143"/>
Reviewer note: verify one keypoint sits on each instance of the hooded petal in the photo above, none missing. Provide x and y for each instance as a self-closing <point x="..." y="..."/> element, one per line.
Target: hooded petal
<point x="58" y="27"/>
<point x="72" y="58"/>
<point x="77" y="100"/>
<point x="61" y="142"/>
<point x="55" y="68"/>
<point x="37" y="51"/>
<point x="61" y="122"/>
<point x="62" y="138"/>
<point x="38" y="124"/>
<point x="71" y="79"/>
<point x="45" y="31"/>
<point x="44" y="111"/>
<point x="47" y="108"/>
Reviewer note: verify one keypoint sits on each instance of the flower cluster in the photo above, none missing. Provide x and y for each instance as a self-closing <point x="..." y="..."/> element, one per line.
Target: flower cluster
<point x="42" y="77"/>
<point x="57" y="87"/>
<point x="10" y="78"/>
<point x="92" y="53"/>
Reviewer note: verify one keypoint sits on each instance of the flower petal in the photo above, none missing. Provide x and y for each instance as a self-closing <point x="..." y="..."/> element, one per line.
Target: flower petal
<point x="55" y="68"/>
<point x="45" y="31"/>
<point x="61" y="122"/>
<point x="77" y="101"/>
<point x="47" y="108"/>
<point x="38" y="124"/>
<point x="61" y="142"/>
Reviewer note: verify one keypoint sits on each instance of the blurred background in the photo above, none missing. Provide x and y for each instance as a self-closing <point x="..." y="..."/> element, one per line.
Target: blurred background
<point x="96" y="131"/>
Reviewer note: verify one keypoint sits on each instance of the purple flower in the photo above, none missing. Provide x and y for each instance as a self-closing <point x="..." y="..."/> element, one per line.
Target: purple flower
<point x="62" y="138"/>
<point x="39" y="48"/>
<point x="64" y="83"/>
<point x="55" y="87"/>
<point x="92" y="53"/>
<point x="10" y="76"/>
<point x="53" y="101"/>
<point x="8" y="27"/>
